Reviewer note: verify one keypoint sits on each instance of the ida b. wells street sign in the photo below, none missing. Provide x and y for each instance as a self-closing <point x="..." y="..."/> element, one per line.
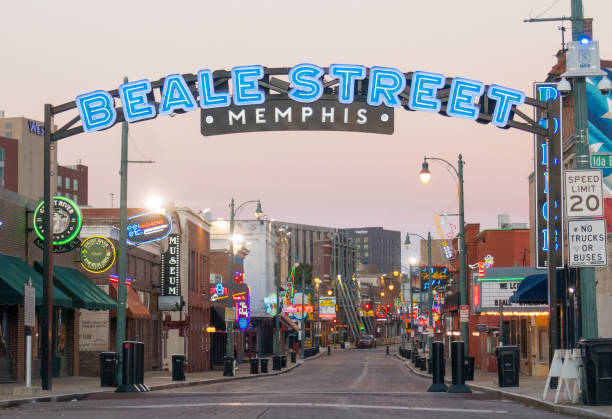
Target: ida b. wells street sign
<point x="583" y="193"/>
<point x="587" y="243"/>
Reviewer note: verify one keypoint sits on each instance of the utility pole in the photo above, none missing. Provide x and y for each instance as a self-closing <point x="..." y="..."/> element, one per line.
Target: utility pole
<point x="303" y="331"/>
<point x="122" y="259"/>
<point x="46" y="319"/>
<point x="588" y="303"/>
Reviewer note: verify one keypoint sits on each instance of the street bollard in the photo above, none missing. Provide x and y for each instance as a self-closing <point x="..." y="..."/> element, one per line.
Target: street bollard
<point x="387" y="349"/>
<point x="328" y="350"/>
<point x="437" y="385"/>
<point x="457" y="360"/>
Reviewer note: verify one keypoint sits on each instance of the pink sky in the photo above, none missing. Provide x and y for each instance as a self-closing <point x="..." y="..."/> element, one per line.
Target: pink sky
<point x="53" y="51"/>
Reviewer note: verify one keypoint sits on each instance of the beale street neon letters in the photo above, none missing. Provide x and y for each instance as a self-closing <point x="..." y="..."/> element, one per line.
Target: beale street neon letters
<point x="98" y="111"/>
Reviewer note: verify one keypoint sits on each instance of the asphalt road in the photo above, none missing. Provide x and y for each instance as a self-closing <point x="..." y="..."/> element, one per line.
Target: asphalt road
<point x="358" y="383"/>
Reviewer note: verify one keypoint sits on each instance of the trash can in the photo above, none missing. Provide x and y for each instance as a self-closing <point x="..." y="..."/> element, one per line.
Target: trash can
<point x="254" y="366"/>
<point x="264" y="365"/>
<point x="293" y="357"/>
<point x="283" y="361"/>
<point x="429" y="365"/>
<point x="108" y="369"/>
<point x="228" y="366"/>
<point x="507" y="365"/>
<point x="597" y="370"/>
<point x="178" y="367"/>
<point x="469" y="368"/>
<point x="276" y="363"/>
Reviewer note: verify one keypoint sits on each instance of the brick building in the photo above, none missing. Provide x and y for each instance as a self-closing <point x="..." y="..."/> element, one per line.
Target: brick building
<point x="9" y="164"/>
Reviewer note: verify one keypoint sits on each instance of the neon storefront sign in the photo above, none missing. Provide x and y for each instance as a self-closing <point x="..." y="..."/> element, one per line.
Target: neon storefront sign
<point x="487" y="263"/>
<point x="306" y="308"/>
<point x="380" y="85"/>
<point x="148" y="227"/>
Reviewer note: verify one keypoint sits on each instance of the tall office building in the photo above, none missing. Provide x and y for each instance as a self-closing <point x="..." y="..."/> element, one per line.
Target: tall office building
<point x="376" y="246"/>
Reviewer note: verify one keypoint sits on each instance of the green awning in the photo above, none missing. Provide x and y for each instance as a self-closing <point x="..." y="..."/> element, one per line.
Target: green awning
<point x="14" y="273"/>
<point x="84" y="293"/>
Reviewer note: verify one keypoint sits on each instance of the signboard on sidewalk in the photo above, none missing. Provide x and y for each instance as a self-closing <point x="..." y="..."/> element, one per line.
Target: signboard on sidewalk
<point x="29" y="300"/>
<point x="587" y="243"/>
<point x="464" y="312"/>
<point x="583" y="192"/>
<point x="327" y="308"/>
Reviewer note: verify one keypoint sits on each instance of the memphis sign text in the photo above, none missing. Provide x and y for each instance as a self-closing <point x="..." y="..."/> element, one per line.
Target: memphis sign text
<point x="383" y="86"/>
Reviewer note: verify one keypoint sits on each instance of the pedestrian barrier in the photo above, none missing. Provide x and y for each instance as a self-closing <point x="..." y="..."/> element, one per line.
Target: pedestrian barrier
<point x="457" y="361"/>
<point x="133" y="368"/>
<point x="438" y="369"/>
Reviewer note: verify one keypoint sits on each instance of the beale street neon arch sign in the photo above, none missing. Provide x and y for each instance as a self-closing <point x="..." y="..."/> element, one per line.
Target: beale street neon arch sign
<point x="303" y="97"/>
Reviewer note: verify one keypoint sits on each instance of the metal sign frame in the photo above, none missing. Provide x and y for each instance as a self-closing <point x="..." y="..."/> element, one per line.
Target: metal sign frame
<point x="272" y="85"/>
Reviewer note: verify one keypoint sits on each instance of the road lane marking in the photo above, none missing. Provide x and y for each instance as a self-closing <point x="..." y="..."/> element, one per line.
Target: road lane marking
<point x="284" y="393"/>
<point x="324" y="405"/>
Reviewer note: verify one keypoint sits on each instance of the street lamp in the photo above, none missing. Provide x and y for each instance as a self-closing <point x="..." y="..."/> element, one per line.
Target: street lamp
<point x="425" y="175"/>
<point x="431" y="324"/>
<point x="229" y="323"/>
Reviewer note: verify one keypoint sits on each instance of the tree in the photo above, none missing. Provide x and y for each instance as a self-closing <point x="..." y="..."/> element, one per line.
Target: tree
<point x="307" y="270"/>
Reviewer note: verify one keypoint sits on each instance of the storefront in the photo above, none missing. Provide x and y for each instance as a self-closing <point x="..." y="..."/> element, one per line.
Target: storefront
<point x="523" y="325"/>
<point x="14" y="273"/>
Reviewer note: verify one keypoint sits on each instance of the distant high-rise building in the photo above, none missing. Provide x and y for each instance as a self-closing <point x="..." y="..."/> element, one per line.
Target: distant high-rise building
<point x="21" y="163"/>
<point x="376" y="246"/>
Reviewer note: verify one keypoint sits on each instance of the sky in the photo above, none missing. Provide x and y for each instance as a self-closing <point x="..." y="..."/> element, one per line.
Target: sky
<point x="53" y="51"/>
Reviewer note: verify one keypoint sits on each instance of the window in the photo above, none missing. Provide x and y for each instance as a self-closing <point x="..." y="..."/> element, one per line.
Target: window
<point x="75" y="198"/>
<point x="365" y="239"/>
<point x="75" y="184"/>
<point x="543" y="345"/>
<point x="59" y="181"/>
<point x="523" y="338"/>
<point x="67" y="183"/>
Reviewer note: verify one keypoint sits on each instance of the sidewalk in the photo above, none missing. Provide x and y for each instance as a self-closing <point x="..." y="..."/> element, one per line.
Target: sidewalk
<point x="70" y="388"/>
<point x="529" y="392"/>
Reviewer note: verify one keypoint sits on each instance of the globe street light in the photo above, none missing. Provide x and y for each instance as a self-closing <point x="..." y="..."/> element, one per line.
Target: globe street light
<point x="229" y="322"/>
<point x="425" y="176"/>
<point x="429" y="273"/>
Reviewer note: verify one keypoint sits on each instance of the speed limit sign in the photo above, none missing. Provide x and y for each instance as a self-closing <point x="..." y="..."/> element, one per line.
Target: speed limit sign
<point x="583" y="193"/>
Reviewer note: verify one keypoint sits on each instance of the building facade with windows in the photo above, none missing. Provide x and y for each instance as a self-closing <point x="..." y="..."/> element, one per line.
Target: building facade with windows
<point x="29" y="135"/>
<point x="21" y="163"/>
<point x="377" y="246"/>
<point x="72" y="182"/>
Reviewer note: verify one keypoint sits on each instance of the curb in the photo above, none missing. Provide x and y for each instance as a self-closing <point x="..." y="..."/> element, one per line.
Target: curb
<point x="526" y="400"/>
<point x="175" y="384"/>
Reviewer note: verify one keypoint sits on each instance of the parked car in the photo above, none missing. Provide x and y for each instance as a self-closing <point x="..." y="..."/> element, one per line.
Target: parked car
<point x="366" y="341"/>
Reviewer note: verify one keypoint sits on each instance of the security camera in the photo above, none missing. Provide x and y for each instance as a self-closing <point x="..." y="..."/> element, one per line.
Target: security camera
<point x="564" y="87"/>
<point x="604" y="85"/>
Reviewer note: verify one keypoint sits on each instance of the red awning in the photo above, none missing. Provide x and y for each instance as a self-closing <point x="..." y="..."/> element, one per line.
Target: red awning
<point x="135" y="308"/>
<point x="290" y="323"/>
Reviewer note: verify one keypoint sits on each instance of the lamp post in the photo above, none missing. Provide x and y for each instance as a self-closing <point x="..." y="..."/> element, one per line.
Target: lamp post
<point x="283" y="234"/>
<point x="429" y="273"/>
<point x="412" y="261"/>
<point x="425" y="176"/>
<point x="229" y="323"/>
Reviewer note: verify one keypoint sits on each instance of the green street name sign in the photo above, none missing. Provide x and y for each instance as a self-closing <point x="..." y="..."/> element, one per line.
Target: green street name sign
<point x="601" y="160"/>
